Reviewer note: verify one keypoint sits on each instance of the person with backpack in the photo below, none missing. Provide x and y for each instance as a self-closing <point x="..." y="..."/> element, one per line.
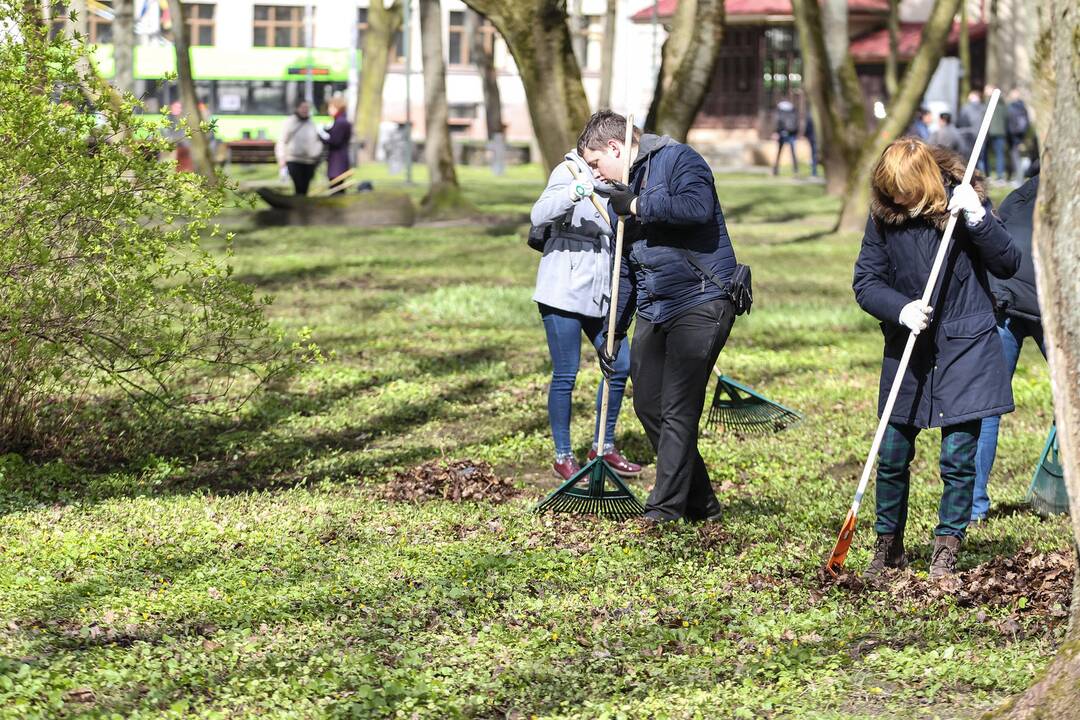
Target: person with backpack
<point x="787" y="132"/>
<point x="1019" y="318"/>
<point x="573" y="289"/>
<point x="1017" y="122"/>
<point x="956" y="375"/>
<point x="680" y="279"/>
<point x="299" y="148"/>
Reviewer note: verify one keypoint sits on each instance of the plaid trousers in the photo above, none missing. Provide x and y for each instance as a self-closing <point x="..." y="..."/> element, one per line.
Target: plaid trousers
<point x="958" y="445"/>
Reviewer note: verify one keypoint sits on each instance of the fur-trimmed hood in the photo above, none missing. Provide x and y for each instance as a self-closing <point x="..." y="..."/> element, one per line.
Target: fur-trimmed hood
<point x="884" y="210"/>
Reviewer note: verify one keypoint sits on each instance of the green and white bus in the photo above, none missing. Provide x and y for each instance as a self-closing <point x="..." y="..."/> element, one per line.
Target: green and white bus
<point x="247" y="91"/>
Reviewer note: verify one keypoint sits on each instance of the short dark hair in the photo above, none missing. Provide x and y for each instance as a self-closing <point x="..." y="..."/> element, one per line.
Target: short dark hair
<point x="604" y="125"/>
<point x="946" y="118"/>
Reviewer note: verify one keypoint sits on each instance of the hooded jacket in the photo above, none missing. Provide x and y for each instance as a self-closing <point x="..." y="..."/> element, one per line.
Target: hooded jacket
<point x="678" y="215"/>
<point x="575" y="271"/>
<point x="957" y="370"/>
<point x="1017" y="296"/>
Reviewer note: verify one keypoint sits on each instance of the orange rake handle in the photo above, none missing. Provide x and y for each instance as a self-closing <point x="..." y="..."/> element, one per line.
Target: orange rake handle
<point x="843" y="544"/>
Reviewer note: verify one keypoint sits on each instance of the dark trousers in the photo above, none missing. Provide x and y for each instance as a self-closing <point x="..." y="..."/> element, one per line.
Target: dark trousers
<point x="301" y="174"/>
<point x="670" y="364"/>
<point x="789" y="140"/>
<point x="958" y="445"/>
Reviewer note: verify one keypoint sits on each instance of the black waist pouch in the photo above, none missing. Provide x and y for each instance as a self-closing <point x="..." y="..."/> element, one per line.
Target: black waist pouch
<point x="740" y="290"/>
<point x="538" y="236"/>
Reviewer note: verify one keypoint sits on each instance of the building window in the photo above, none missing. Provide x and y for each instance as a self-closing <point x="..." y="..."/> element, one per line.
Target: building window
<point x="781" y="71"/>
<point x="361" y="29"/>
<point x="458" y="49"/>
<point x="99" y="22"/>
<point x="279" y="26"/>
<point x="200" y="23"/>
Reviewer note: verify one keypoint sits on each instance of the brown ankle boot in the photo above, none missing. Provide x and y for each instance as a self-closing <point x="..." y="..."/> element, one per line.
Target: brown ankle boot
<point x="888" y="553"/>
<point x="943" y="561"/>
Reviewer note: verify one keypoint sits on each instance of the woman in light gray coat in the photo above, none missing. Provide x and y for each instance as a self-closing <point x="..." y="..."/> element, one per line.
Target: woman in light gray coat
<point x="573" y="287"/>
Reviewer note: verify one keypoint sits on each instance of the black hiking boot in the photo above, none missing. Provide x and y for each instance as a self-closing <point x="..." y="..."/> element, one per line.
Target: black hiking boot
<point x="888" y="553"/>
<point x="943" y="561"/>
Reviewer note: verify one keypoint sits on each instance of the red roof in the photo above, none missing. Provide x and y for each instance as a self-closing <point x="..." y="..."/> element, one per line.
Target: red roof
<point x="874" y="46"/>
<point x="757" y="7"/>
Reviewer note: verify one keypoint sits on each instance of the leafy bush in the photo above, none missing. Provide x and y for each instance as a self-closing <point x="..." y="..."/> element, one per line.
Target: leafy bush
<point x="104" y="284"/>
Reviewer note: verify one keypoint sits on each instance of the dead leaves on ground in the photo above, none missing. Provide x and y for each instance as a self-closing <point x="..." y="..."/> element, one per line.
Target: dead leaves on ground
<point x="454" y="480"/>
<point x="1034" y="586"/>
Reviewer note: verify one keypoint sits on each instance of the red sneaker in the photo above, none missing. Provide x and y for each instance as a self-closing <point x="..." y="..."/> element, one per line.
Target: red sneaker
<point x="618" y="463"/>
<point x="567" y="468"/>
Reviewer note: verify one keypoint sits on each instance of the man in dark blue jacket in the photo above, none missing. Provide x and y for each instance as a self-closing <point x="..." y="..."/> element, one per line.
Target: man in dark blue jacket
<point x="676" y="278"/>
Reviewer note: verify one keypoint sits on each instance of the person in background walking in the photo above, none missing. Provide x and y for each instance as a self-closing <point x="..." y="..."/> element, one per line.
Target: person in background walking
<point x="946" y="135"/>
<point x="968" y="122"/>
<point x="920" y="126"/>
<point x="299" y="148"/>
<point x="337" y="141"/>
<point x="787" y="130"/>
<point x="573" y="289"/>
<point x="995" y="137"/>
<point x="1017" y="123"/>
<point x="811" y="137"/>
<point x="1017" y="305"/>
<point x="957" y="372"/>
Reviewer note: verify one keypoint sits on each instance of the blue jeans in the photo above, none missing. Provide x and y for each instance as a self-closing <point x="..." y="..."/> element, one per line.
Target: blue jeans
<point x="997" y="145"/>
<point x="564" y="343"/>
<point x="1013" y="331"/>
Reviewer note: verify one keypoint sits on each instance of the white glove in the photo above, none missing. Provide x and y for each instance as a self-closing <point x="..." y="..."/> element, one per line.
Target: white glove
<point x="580" y="188"/>
<point x="965" y="198"/>
<point x="916" y="316"/>
<point x="283" y="173"/>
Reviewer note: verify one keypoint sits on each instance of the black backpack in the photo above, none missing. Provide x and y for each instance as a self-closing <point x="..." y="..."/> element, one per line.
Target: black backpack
<point x="1018" y="121"/>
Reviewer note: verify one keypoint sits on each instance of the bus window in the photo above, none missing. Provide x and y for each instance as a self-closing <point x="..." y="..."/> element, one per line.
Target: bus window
<point x="232" y="98"/>
<point x="268" y="98"/>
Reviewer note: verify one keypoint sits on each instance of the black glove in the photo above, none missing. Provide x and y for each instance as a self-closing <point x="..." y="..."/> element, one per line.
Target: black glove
<point x="607" y="362"/>
<point x="620" y="197"/>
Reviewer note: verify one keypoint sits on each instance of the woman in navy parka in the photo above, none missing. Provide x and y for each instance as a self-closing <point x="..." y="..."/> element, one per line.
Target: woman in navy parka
<point x="957" y="373"/>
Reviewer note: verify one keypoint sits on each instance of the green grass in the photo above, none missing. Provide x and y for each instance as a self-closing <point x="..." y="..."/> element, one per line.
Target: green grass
<point x="249" y="568"/>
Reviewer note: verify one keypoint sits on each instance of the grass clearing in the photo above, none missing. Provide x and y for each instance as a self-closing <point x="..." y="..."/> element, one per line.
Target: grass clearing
<point x="251" y="569"/>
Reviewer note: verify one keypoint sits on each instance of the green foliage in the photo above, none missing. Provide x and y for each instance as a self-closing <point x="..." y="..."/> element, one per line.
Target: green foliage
<point x="104" y="284"/>
<point x="252" y="568"/>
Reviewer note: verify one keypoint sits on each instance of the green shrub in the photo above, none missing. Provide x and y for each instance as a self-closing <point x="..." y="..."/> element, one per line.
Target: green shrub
<point x="105" y="289"/>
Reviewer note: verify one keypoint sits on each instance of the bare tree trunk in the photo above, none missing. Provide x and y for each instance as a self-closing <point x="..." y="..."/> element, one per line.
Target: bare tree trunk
<point x="892" y="60"/>
<point x="200" y="144"/>
<point x="835" y="16"/>
<point x="849" y="148"/>
<point x="123" y="32"/>
<point x="686" y="67"/>
<point x="383" y="23"/>
<point x="537" y="35"/>
<point x="443" y="194"/>
<point x="484" y="60"/>
<point x="607" y="55"/>
<point x="1056" y="247"/>
<point x="965" y="53"/>
<point x="579" y="32"/>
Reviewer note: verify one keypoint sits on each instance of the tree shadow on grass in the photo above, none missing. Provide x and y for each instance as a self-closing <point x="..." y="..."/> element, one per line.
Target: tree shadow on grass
<point x="259" y="450"/>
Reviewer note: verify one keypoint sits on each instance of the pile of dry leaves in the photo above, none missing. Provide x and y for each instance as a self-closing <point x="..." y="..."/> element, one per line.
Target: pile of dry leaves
<point x="455" y="480"/>
<point x="1031" y="584"/>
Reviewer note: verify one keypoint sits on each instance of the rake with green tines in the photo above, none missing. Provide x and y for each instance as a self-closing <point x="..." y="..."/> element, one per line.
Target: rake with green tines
<point x="1048" y="494"/>
<point x="597" y="489"/>
<point x="737" y="407"/>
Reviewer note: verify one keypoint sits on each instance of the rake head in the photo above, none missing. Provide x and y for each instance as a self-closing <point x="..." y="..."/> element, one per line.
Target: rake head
<point x="843" y="543"/>
<point x="737" y="407"/>
<point x="596" y="489"/>
<point x="1048" y="494"/>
